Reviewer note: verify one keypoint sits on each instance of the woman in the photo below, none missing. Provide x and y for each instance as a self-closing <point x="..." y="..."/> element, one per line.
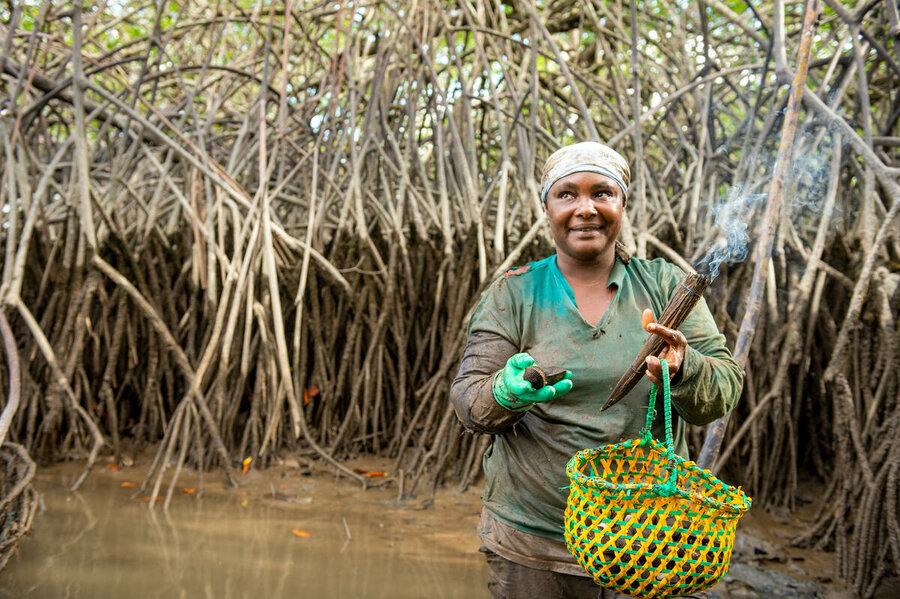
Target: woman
<point x="579" y="309"/>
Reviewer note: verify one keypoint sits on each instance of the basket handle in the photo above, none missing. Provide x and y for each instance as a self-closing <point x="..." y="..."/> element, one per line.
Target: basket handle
<point x="670" y="487"/>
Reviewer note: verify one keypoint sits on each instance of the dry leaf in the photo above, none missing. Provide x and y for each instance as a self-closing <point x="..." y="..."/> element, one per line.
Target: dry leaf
<point x="247" y="464"/>
<point x="129" y="484"/>
<point x="300" y="533"/>
<point x="310" y="393"/>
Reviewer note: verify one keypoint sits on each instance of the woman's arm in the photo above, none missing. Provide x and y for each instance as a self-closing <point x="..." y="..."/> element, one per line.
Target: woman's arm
<point x="708" y="383"/>
<point x="471" y="394"/>
<point x="711" y="381"/>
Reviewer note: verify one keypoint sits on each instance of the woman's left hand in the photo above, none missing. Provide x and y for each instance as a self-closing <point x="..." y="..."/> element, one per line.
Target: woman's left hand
<point x="673" y="353"/>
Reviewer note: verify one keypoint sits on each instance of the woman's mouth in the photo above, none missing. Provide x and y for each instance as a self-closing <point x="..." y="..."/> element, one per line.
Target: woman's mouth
<point x="587" y="228"/>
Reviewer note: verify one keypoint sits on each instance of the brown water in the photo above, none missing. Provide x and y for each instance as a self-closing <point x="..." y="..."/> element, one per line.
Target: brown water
<point x="247" y="542"/>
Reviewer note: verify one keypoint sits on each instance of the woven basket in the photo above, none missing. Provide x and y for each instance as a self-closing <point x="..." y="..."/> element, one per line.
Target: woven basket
<point x="647" y="523"/>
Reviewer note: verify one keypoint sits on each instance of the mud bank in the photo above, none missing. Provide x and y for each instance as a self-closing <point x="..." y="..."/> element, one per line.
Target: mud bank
<point x="299" y="530"/>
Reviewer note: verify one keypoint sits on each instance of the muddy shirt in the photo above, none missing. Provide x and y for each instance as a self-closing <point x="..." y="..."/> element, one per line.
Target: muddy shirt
<point x="532" y="309"/>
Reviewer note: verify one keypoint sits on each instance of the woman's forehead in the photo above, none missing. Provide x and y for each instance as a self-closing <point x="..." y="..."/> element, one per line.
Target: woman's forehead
<point x="583" y="179"/>
<point x="586" y="156"/>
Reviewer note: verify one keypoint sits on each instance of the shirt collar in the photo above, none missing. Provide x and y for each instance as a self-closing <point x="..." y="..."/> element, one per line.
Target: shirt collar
<point x="616" y="275"/>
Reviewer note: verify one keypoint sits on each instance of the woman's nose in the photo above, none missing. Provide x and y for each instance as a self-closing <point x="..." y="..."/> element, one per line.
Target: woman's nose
<point x="585" y="206"/>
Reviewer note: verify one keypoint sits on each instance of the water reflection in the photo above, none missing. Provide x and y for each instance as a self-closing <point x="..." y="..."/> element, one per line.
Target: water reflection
<point x="100" y="542"/>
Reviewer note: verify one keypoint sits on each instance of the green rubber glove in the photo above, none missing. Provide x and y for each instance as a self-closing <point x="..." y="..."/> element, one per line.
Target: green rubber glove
<point x="516" y="394"/>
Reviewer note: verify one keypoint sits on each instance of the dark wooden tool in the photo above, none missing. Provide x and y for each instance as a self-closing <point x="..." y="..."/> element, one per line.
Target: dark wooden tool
<point x="686" y="296"/>
<point x="539" y="377"/>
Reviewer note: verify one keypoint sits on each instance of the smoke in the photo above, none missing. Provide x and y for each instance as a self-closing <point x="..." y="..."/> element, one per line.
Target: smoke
<point x="732" y="218"/>
<point x="804" y="193"/>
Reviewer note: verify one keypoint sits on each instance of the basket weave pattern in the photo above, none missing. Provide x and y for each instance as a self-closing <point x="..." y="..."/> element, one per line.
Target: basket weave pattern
<point x="646" y="522"/>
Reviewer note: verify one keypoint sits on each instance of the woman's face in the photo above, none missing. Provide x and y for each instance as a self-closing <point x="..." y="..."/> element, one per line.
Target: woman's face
<point x="585" y="213"/>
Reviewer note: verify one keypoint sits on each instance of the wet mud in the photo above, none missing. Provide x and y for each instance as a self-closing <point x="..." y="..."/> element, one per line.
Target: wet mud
<point x="302" y="531"/>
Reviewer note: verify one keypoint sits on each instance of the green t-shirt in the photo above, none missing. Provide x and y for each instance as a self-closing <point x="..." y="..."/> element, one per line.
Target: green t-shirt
<point x="532" y="309"/>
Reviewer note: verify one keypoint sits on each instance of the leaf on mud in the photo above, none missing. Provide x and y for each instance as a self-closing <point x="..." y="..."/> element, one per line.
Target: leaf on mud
<point x="375" y="473"/>
<point x="360" y="471"/>
<point x="129" y="484"/>
<point x="300" y="533"/>
<point x="188" y="490"/>
<point x="247" y="464"/>
<point x="113" y="467"/>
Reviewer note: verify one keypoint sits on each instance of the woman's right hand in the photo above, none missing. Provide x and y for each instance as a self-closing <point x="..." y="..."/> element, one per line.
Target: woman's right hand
<point x="514" y="393"/>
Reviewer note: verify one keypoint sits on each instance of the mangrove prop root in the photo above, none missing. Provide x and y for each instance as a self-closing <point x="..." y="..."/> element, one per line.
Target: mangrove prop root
<point x="226" y="236"/>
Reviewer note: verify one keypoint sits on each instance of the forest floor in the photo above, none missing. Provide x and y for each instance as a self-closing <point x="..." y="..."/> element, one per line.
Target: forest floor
<point x="304" y="526"/>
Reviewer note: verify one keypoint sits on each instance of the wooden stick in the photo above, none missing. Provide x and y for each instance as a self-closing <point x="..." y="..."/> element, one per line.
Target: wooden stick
<point x="15" y="376"/>
<point x="686" y="296"/>
<point x="716" y="431"/>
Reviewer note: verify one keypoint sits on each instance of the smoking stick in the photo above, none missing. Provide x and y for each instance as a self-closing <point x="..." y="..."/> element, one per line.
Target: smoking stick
<point x="686" y="296"/>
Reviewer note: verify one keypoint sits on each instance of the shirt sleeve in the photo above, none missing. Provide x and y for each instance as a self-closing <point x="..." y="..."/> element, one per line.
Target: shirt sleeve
<point x="710" y="381"/>
<point x="493" y="338"/>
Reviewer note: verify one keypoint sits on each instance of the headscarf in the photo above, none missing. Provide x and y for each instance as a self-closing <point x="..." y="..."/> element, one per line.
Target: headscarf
<point x="588" y="156"/>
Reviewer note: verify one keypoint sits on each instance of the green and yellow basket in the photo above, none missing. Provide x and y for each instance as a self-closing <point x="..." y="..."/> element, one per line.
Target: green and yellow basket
<point x="644" y="521"/>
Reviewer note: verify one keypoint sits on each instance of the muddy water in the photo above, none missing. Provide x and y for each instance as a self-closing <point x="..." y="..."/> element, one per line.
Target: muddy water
<point x="281" y="534"/>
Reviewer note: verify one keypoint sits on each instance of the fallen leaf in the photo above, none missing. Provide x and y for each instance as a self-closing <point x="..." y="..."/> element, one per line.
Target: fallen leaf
<point x="158" y="498"/>
<point x="310" y="393"/>
<point x="360" y="471"/>
<point x="113" y="467"/>
<point x="376" y="473"/>
<point x="244" y="502"/>
<point x="247" y="464"/>
<point x="188" y="490"/>
<point x="129" y="484"/>
<point x="300" y="533"/>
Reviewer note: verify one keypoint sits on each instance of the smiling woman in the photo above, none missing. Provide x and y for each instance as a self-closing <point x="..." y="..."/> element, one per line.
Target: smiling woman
<point x="585" y="212"/>
<point x="580" y="309"/>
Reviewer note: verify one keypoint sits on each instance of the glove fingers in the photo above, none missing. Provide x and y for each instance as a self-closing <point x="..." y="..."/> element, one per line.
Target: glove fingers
<point x="563" y="386"/>
<point x="517" y="389"/>
<point x="522" y="361"/>
<point x="544" y="394"/>
<point x="551" y="391"/>
<point x="518" y="386"/>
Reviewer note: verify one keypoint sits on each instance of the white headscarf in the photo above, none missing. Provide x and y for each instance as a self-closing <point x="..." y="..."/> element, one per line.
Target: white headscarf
<point x="588" y="156"/>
